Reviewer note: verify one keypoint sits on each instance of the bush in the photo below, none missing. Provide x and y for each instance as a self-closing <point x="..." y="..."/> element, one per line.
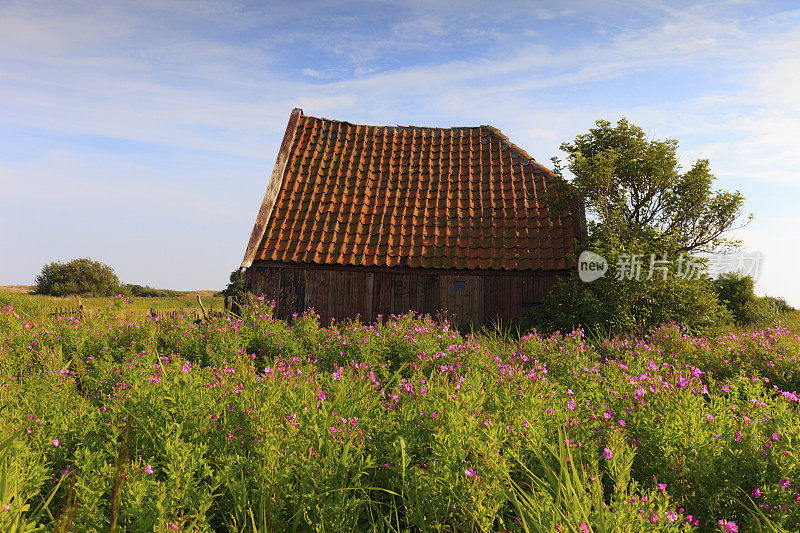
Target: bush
<point x="757" y="312"/>
<point x="83" y="277"/>
<point x="609" y="306"/>
<point x="735" y="291"/>
<point x="149" y="292"/>
<point x="235" y="288"/>
<point x="780" y="304"/>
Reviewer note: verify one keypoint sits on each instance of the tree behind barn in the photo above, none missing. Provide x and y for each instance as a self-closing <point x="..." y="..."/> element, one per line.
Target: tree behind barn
<point x="639" y="201"/>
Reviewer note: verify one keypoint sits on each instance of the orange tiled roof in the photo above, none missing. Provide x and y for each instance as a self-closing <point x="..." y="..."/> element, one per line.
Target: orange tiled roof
<point x="412" y="196"/>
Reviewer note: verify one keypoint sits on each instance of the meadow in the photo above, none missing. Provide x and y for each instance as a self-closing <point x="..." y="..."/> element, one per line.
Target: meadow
<point x="247" y="423"/>
<point x="22" y="297"/>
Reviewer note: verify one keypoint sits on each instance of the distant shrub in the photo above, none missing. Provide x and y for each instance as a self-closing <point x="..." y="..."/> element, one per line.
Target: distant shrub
<point x="758" y="312"/>
<point x="735" y="291"/>
<point x="149" y="292"/>
<point x="78" y="277"/>
<point x="780" y="304"/>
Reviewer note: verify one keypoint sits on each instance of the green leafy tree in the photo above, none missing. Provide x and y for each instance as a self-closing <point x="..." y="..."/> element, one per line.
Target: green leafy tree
<point x="735" y="291"/>
<point x="637" y="198"/>
<point x="235" y="288"/>
<point x="234" y="292"/>
<point x="78" y="277"/>
<point x="641" y="205"/>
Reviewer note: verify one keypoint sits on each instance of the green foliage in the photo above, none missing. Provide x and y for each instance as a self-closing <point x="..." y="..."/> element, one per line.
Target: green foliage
<point x="22" y="476"/>
<point x="640" y="204"/>
<point x="637" y="198"/>
<point x="235" y="287"/>
<point x="31" y="307"/>
<point x="629" y="306"/>
<point x="736" y="292"/>
<point x="77" y="277"/>
<point x="149" y="292"/>
<point x="757" y="312"/>
<point x="248" y="423"/>
<point x="779" y="304"/>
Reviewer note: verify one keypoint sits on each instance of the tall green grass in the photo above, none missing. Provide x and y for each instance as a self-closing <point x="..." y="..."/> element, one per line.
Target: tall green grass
<point x="249" y="423"/>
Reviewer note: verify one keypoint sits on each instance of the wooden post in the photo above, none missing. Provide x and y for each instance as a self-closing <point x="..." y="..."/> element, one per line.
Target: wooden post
<point x="203" y="309"/>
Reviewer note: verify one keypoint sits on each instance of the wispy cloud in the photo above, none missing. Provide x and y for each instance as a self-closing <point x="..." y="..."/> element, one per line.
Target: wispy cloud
<point x="174" y="84"/>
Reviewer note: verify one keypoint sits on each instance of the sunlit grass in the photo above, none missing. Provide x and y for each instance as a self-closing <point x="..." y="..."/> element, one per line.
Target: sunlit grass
<point x="248" y="423"/>
<point x="137" y="306"/>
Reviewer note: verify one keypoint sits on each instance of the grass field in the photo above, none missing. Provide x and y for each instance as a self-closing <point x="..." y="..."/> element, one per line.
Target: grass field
<point x="247" y="423"/>
<point x="22" y="295"/>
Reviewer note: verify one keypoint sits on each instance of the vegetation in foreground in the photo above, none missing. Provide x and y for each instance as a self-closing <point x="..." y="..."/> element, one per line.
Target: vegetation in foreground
<point x="249" y="423"/>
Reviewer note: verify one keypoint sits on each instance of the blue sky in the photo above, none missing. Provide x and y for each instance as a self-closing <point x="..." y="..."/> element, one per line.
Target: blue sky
<point x="142" y="134"/>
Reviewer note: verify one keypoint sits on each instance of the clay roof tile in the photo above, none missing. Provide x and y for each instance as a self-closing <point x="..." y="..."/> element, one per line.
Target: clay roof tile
<point x="411" y="196"/>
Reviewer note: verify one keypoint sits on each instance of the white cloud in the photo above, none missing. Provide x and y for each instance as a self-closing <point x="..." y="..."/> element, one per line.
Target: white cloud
<point x="213" y="77"/>
<point x="421" y="28"/>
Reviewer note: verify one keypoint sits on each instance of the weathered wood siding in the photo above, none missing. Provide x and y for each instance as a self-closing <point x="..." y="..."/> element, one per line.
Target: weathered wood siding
<point x="466" y="297"/>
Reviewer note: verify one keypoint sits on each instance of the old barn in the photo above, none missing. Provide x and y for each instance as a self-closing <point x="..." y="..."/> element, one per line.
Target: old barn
<point x="376" y="220"/>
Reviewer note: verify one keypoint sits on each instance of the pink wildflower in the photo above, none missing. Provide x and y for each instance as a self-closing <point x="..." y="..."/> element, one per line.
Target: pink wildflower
<point x="470" y="472"/>
<point x="607" y="453"/>
<point x="148" y="469"/>
<point x="55" y="443"/>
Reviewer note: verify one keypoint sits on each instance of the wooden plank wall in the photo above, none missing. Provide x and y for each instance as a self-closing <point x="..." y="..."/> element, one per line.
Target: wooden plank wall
<point x="339" y="294"/>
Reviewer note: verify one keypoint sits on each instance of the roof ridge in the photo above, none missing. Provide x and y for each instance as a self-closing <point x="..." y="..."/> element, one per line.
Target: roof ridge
<point x="492" y="130"/>
<point x="521" y="151"/>
<point x="397" y="126"/>
<point x="416" y="196"/>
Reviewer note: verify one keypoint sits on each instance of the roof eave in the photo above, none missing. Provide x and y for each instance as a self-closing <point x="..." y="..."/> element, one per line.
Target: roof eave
<point x="273" y="188"/>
